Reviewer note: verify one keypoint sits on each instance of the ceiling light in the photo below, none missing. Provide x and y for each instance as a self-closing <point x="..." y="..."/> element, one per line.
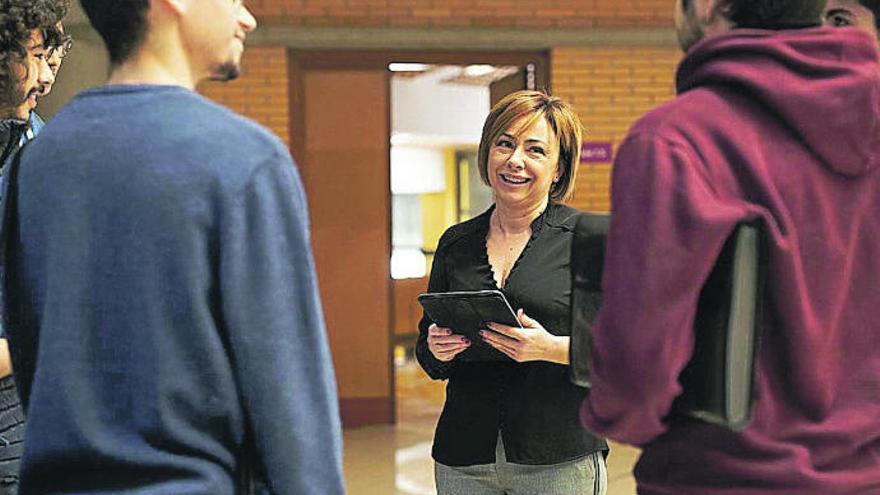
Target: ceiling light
<point x="478" y="70"/>
<point x="407" y="67"/>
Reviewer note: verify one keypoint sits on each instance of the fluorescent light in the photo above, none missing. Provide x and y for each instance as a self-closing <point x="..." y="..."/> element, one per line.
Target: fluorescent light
<point x="478" y="70"/>
<point x="401" y="138"/>
<point x="417" y="170"/>
<point x="407" y="67"/>
<point x="408" y="263"/>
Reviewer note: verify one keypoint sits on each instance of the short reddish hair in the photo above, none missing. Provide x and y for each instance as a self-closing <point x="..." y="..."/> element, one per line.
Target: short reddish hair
<point x="534" y="105"/>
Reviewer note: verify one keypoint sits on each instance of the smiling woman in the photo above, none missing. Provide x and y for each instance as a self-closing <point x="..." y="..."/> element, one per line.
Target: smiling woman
<point x="504" y="418"/>
<point x="551" y="126"/>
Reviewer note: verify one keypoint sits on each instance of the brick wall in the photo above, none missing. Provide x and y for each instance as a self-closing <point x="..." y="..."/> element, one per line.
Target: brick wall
<point x="610" y="88"/>
<point x="261" y="92"/>
<point x="466" y="13"/>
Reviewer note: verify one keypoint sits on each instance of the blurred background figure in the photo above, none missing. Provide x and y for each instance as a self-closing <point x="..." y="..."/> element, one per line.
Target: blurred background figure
<point x="860" y="14"/>
<point x="57" y="49"/>
<point x="26" y="72"/>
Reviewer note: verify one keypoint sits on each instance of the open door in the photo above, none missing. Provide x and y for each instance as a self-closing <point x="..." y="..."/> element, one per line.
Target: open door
<point x="346" y="174"/>
<point x="340" y="137"/>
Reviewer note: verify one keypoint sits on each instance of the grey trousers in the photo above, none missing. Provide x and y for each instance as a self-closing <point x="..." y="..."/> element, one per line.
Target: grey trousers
<point x="579" y="477"/>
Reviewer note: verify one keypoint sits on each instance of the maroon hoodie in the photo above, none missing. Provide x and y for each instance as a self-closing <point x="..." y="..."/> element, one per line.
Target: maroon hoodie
<point x="780" y="127"/>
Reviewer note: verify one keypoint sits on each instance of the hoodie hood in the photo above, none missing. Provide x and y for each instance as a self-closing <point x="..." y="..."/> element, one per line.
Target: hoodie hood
<point x="824" y="83"/>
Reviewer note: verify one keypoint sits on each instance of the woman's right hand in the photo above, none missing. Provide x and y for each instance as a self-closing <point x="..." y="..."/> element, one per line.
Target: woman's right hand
<point x="444" y="345"/>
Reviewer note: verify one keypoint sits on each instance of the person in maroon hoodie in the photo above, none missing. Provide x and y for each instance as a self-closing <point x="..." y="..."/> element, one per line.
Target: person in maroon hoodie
<point x="777" y="121"/>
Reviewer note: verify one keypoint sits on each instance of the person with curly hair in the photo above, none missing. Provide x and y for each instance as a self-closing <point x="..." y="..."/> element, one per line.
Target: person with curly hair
<point x="28" y="31"/>
<point x="57" y="49"/>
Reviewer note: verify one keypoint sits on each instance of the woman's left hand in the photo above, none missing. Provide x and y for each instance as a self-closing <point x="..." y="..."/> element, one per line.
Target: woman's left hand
<point x="529" y="343"/>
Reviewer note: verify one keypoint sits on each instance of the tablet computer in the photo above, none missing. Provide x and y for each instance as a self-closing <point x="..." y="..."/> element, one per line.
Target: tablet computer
<point x="587" y="260"/>
<point x="468" y="312"/>
<point x="718" y="381"/>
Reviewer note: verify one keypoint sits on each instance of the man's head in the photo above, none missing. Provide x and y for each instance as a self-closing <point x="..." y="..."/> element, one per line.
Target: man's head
<point x="209" y="33"/>
<point x="861" y="14"/>
<point x="696" y="19"/>
<point x="26" y="26"/>
<point x="56" y="50"/>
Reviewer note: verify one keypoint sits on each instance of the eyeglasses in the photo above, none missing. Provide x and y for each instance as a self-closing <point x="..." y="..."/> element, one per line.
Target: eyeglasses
<point x="62" y="49"/>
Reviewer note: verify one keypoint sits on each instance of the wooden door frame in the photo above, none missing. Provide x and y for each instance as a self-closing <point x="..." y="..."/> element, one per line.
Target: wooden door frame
<point x="300" y="60"/>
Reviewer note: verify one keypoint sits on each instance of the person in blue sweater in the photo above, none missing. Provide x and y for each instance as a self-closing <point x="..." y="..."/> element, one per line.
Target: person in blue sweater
<point x="160" y="292"/>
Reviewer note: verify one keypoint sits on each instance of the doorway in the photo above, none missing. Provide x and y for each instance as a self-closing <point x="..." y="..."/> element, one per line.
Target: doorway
<point x="341" y="136"/>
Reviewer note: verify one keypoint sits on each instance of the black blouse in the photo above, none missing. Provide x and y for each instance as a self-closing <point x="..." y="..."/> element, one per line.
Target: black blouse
<point x="532" y="404"/>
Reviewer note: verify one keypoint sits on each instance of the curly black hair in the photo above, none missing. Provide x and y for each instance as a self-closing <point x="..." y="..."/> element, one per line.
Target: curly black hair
<point x="18" y="19"/>
<point x="774" y="14"/>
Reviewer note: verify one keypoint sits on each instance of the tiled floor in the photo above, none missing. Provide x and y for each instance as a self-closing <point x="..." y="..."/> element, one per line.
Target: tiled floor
<point x="396" y="460"/>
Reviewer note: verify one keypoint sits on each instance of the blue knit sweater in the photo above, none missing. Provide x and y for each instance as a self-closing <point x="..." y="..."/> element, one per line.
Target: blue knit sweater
<point x="163" y="307"/>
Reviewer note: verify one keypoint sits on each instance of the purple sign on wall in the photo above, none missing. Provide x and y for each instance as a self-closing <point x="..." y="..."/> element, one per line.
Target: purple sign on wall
<point x="596" y="152"/>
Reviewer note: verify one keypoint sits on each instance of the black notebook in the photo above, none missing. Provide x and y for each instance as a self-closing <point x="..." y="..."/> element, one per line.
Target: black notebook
<point x="718" y="381"/>
<point x="468" y="312"/>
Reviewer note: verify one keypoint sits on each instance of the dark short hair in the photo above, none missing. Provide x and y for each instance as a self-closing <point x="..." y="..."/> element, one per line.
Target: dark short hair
<point x="874" y="7"/>
<point x="122" y="25"/>
<point x="774" y="14"/>
<point x="18" y="20"/>
<point x="534" y="105"/>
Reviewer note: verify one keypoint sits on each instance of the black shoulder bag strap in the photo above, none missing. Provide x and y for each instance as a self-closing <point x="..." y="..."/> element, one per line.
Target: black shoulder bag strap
<point x="587" y="260"/>
<point x="9" y="206"/>
<point x="8" y="231"/>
